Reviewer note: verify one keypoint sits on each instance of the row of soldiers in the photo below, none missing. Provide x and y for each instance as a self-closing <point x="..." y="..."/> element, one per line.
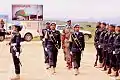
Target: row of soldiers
<point x="72" y="44"/>
<point x="107" y="44"/>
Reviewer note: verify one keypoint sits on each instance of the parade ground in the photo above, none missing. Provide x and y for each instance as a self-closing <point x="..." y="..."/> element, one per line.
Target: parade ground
<point x="33" y="67"/>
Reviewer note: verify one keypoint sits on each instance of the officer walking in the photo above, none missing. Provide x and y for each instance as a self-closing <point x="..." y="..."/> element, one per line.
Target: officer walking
<point x="52" y="44"/>
<point x="15" y="49"/>
<point x="42" y="37"/>
<point x="66" y="43"/>
<point x="76" y="47"/>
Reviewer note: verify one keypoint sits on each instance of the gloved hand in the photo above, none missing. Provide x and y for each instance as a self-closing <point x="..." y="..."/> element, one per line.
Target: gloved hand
<point x="71" y="53"/>
<point x="113" y="52"/>
<point x="17" y="54"/>
<point x="99" y="46"/>
<point x="46" y="49"/>
<point x="43" y="39"/>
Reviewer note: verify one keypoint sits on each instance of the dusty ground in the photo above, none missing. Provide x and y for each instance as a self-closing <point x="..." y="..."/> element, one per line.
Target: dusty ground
<point x="33" y="68"/>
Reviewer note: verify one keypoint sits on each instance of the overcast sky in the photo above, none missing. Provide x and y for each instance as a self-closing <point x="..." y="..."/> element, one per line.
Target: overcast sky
<point x="70" y="8"/>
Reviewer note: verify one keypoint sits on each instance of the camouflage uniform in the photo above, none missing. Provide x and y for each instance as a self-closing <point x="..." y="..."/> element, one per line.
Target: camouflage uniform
<point x="66" y="45"/>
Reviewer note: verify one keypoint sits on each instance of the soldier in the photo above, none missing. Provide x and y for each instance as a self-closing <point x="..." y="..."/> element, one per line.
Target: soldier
<point x="116" y="52"/>
<point x="52" y="44"/>
<point x="15" y="49"/>
<point x="111" y="30"/>
<point x="66" y="43"/>
<point x="101" y="43"/>
<point x="96" y="40"/>
<point x="77" y="45"/>
<point x="111" y="57"/>
<point x="42" y="37"/>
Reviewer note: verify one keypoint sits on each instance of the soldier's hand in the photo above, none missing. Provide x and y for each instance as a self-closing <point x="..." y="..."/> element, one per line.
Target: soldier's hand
<point x="45" y="49"/>
<point x="113" y="52"/>
<point x="99" y="46"/>
<point x="71" y="53"/>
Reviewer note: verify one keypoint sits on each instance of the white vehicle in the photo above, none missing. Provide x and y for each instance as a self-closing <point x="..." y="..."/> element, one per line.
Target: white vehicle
<point x="26" y="34"/>
<point x="87" y="34"/>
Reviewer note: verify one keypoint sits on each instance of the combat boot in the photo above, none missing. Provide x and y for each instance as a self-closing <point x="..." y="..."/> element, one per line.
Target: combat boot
<point x="76" y="72"/>
<point x="100" y="65"/>
<point x="113" y="74"/>
<point x="53" y="70"/>
<point x="17" y="77"/>
<point x="47" y="66"/>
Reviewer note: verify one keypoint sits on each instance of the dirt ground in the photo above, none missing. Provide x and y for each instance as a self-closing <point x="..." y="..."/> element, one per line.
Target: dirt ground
<point x="32" y="58"/>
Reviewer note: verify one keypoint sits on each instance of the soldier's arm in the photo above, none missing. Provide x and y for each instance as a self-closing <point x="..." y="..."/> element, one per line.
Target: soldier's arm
<point x="83" y="42"/>
<point x="59" y="39"/>
<point x="95" y="37"/>
<point x="62" y="39"/>
<point x="105" y="39"/>
<point x="71" y="42"/>
<point x="100" y="38"/>
<point x="18" y="40"/>
<point x="117" y="42"/>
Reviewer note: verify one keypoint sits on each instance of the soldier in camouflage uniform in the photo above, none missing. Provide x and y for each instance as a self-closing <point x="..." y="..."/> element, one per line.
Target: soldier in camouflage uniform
<point x="66" y="44"/>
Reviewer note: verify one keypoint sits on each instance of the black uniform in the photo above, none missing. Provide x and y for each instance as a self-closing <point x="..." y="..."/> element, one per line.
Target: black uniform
<point x="53" y="43"/>
<point x="117" y="50"/>
<point x="97" y="43"/>
<point x="77" y="46"/>
<point x="43" y="43"/>
<point x="102" y="45"/>
<point x="111" y="48"/>
<point x="15" y="48"/>
<point x="105" y="48"/>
